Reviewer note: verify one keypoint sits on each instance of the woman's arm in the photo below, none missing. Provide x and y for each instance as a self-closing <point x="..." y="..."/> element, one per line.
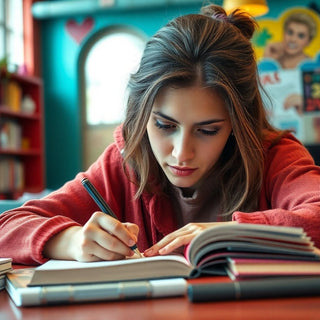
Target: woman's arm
<point x="64" y="224"/>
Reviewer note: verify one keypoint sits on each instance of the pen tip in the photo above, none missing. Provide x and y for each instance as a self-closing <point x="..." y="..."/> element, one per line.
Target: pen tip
<point x="138" y="253"/>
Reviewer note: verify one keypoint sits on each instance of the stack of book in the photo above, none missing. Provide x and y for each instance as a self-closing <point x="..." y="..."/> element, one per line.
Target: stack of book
<point x="239" y="250"/>
<point x="5" y="266"/>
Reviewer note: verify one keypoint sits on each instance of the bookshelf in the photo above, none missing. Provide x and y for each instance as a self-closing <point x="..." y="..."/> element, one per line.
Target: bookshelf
<point x="21" y="135"/>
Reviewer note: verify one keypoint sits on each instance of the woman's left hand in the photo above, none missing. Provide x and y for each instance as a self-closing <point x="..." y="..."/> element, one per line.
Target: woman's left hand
<point x="178" y="238"/>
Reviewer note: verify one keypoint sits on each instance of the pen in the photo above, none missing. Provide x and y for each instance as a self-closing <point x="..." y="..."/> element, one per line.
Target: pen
<point x="95" y="195"/>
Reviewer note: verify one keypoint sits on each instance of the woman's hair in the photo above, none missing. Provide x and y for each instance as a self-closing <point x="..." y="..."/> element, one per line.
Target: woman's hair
<point x="302" y="18"/>
<point x="213" y="50"/>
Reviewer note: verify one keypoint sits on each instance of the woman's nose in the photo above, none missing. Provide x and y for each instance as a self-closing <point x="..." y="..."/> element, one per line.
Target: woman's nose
<point x="183" y="148"/>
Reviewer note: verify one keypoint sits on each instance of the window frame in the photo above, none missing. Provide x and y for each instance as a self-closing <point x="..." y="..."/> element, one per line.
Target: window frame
<point x="95" y="38"/>
<point x="31" y="49"/>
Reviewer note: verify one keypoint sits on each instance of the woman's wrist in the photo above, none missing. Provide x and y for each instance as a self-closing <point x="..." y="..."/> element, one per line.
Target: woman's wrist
<point x="61" y="245"/>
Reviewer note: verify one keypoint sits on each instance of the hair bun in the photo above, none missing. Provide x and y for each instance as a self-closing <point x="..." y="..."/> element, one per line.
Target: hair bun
<point x="239" y="18"/>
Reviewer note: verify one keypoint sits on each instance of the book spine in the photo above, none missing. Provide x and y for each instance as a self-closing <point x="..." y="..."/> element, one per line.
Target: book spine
<point x="12" y="175"/>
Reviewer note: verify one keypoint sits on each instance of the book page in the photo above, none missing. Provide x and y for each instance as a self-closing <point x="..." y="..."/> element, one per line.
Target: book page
<point x="70" y="264"/>
<point x="244" y="237"/>
<point x="73" y="272"/>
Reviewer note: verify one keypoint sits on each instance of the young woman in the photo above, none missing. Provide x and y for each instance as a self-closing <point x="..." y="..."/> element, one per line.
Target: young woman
<point x="195" y="149"/>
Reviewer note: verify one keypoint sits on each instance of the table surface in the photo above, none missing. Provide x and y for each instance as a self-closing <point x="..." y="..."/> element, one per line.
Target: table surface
<point x="169" y="309"/>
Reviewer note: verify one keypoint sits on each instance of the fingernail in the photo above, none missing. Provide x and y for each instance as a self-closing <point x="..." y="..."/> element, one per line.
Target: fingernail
<point x="148" y="252"/>
<point x="131" y="243"/>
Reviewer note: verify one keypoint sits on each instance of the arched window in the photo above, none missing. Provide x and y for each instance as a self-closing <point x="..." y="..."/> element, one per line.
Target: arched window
<point x="114" y="54"/>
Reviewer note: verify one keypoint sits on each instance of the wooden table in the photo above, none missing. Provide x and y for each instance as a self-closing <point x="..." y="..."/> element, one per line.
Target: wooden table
<point x="169" y="309"/>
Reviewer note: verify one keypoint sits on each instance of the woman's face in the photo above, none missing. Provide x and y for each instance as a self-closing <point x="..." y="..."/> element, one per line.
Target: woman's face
<point x="188" y="129"/>
<point x="296" y="38"/>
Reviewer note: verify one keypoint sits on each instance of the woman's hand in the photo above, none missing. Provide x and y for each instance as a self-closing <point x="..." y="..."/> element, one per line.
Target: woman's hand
<point x="178" y="238"/>
<point x="101" y="238"/>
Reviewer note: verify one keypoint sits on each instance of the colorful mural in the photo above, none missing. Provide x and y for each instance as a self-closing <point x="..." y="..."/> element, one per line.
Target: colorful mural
<point x="288" y="54"/>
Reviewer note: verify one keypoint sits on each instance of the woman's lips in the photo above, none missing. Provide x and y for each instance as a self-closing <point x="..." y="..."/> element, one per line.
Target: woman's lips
<point x="181" y="171"/>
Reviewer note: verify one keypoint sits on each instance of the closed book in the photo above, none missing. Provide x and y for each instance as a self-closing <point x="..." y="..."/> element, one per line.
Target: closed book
<point x="5" y="265"/>
<point x="2" y="281"/>
<point x="23" y="295"/>
<point x="248" y="268"/>
<point x="276" y="287"/>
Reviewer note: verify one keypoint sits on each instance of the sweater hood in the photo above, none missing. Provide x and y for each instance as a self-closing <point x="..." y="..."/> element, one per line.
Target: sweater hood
<point x="273" y="138"/>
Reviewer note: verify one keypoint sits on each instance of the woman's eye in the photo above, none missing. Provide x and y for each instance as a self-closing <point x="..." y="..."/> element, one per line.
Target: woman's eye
<point x="164" y="126"/>
<point x="208" y="132"/>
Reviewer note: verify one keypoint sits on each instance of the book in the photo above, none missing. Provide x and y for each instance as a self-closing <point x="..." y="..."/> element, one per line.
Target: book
<point x="2" y="282"/>
<point x="56" y="272"/>
<point x="12" y="175"/>
<point x="249" y="268"/>
<point x="13" y="95"/>
<point x="207" y="254"/>
<point x="22" y="295"/>
<point x="254" y="289"/>
<point x="5" y="265"/>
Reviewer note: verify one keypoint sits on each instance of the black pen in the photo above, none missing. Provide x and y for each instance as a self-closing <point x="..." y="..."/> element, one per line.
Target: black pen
<point x="95" y="195"/>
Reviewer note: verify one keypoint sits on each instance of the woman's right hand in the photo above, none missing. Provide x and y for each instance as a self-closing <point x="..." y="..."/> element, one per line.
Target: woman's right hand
<point x="101" y="238"/>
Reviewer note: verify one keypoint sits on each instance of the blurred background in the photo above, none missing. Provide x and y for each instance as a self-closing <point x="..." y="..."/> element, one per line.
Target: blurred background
<point x="65" y="66"/>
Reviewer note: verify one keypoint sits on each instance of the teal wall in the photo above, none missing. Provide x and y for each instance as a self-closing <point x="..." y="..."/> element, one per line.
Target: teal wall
<point x="60" y="54"/>
<point x="278" y="6"/>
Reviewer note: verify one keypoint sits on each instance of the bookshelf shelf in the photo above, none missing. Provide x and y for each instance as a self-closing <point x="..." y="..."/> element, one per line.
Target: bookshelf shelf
<point x="5" y="112"/>
<point x="21" y="135"/>
<point x="31" y="152"/>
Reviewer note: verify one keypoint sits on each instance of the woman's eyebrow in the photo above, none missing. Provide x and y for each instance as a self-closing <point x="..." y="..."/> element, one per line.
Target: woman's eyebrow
<point x="158" y="113"/>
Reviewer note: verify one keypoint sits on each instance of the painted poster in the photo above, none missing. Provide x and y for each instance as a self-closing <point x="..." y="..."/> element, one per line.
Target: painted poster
<point x="288" y="54"/>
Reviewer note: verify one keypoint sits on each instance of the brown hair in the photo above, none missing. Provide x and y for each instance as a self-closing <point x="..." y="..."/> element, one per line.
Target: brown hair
<point x="216" y="46"/>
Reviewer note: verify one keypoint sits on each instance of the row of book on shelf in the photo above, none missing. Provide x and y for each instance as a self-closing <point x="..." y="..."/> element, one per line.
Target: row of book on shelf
<point x="12" y="175"/>
<point x="265" y="261"/>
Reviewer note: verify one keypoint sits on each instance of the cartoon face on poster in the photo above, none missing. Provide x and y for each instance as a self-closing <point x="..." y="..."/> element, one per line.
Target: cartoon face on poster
<point x="288" y="54"/>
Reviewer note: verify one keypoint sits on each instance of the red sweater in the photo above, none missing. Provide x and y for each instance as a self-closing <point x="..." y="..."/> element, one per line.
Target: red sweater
<point x="290" y="196"/>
